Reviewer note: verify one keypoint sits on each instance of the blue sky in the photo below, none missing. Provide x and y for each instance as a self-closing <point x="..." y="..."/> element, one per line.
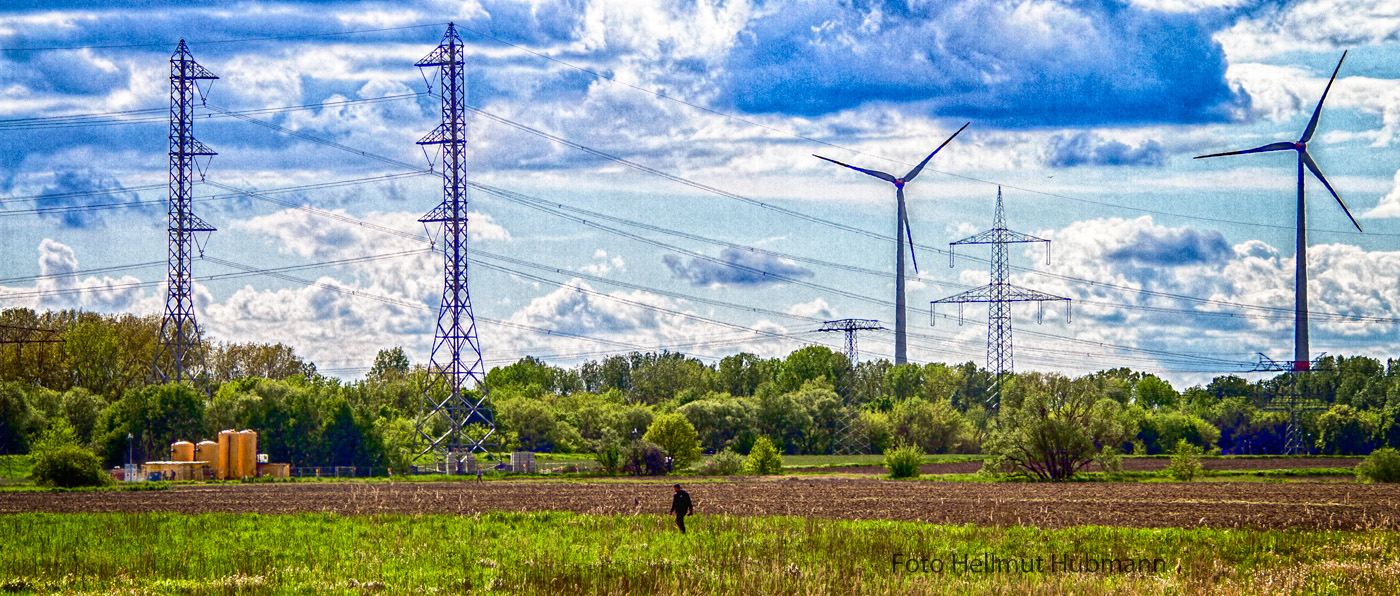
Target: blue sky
<point x="697" y="220"/>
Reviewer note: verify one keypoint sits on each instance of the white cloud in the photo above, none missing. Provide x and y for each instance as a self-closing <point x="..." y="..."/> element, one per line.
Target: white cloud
<point x="817" y="309"/>
<point x="603" y="264"/>
<point x="1389" y="205"/>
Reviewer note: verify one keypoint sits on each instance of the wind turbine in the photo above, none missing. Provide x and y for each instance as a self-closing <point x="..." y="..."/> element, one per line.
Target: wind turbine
<point x="1300" y="300"/>
<point x="901" y="228"/>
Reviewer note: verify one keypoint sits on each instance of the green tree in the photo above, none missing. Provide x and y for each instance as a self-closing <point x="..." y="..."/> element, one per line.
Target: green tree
<point x="675" y="434"/>
<point x="1344" y="431"/>
<point x="1152" y="393"/>
<point x="764" y="459"/>
<point x="1186" y="462"/>
<point x="19" y="422"/>
<point x="932" y="427"/>
<point x="389" y="364"/>
<point x="1161" y="430"/>
<point x="400" y="442"/>
<point x="1055" y="428"/>
<point x="721" y="421"/>
<point x="59" y="461"/>
<point x="93" y="355"/>
<point x="81" y="408"/>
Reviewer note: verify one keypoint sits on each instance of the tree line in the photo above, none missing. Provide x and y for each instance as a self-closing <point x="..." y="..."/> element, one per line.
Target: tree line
<point x="98" y="381"/>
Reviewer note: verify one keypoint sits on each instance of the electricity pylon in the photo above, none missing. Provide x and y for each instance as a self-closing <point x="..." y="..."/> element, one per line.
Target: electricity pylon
<point x="850" y="327"/>
<point x="180" y="349"/>
<point x="999" y="294"/>
<point x="456" y="390"/>
<point x="851" y="438"/>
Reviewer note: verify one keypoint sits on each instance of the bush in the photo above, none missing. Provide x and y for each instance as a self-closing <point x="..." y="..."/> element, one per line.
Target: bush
<point x="644" y="457"/>
<point x="1054" y="428"/>
<point x="60" y="461"/>
<point x="609" y="458"/>
<point x="1186" y="463"/>
<point x="1383" y="465"/>
<point x="725" y="463"/>
<point x="903" y="461"/>
<point x="763" y="459"/>
<point x="673" y="433"/>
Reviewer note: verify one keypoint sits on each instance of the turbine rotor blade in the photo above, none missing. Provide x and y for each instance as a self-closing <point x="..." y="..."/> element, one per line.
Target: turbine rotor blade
<point x="908" y="232"/>
<point x="1280" y="146"/>
<point x="919" y="168"/>
<point x="878" y="174"/>
<point x="1312" y="167"/>
<point x="1312" y="124"/>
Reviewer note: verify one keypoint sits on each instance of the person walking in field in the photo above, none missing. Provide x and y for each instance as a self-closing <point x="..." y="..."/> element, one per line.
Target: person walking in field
<point x="681" y="506"/>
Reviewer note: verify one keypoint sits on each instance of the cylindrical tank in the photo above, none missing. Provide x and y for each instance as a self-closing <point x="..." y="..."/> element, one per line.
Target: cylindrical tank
<point x="182" y="451"/>
<point x="221" y="467"/>
<point x="248" y="448"/>
<point x="206" y="451"/>
<point x="235" y="459"/>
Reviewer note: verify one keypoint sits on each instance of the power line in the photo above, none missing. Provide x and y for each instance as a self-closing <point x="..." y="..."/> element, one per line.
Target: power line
<point x="166" y="43"/>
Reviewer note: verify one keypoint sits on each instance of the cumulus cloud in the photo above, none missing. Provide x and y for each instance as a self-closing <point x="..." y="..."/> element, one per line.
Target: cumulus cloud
<point x="1389" y="205"/>
<point x="603" y="264"/>
<point x="1017" y="64"/>
<point x="77" y="198"/>
<point x="1091" y="149"/>
<point x="816" y="309"/>
<point x="1178" y="290"/>
<point x="60" y="286"/>
<point x="739" y="268"/>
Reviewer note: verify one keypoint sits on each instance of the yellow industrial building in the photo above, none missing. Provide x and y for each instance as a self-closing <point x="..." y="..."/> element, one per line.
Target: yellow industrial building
<point x="233" y="457"/>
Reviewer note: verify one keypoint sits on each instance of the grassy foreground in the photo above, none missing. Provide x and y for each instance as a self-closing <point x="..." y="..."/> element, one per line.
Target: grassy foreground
<point x="565" y="553"/>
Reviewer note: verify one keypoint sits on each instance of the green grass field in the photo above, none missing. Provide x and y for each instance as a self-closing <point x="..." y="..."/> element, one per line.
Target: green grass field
<point x="562" y="553"/>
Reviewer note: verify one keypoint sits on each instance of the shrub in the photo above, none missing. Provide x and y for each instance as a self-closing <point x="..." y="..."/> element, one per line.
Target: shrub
<point x="609" y="458"/>
<point x="1054" y="428"/>
<point x="673" y="433"/>
<point x="1186" y="463"/>
<point x="763" y="459"/>
<point x="1110" y="460"/>
<point x="1383" y="465"/>
<point x="644" y="457"/>
<point x="724" y="463"/>
<point x="903" y="461"/>
<point x="60" y="461"/>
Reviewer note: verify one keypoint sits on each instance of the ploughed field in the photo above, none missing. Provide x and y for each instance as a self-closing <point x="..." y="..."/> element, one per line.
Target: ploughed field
<point x="1134" y="464"/>
<point x="1302" y="505"/>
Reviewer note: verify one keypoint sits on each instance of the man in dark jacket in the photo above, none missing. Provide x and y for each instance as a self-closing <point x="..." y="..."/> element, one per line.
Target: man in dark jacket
<point x="681" y="506"/>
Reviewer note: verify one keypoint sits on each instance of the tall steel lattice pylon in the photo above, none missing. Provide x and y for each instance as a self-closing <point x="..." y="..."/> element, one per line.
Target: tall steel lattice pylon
<point x="456" y="393"/>
<point x="999" y="294"/>
<point x="851" y="437"/>
<point x="180" y="353"/>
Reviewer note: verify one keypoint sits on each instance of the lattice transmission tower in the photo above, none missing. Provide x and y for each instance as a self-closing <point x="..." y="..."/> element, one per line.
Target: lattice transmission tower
<point x="456" y="392"/>
<point x="180" y="353"/>
<point x="850" y="327"/>
<point x="851" y="438"/>
<point x="1289" y="397"/>
<point x="1000" y="294"/>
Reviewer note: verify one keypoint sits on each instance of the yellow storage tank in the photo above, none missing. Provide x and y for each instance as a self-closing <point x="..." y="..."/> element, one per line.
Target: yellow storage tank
<point x="248" y="453"/>
<point x="221" y="461"/>
<point x="182" y="451"/>
<point x="207" y="452"/>
<point x="235" y="458"/>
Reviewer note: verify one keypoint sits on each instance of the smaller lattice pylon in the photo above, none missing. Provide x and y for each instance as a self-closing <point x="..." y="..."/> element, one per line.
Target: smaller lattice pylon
<point x="18" y="334"/>
<point x="850" y="327"/>
<point x="851" y="438"/>
<point x="1290" y="401"/>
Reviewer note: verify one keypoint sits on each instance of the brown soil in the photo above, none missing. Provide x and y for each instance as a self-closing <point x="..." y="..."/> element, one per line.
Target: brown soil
<point x="1130" y="465"/>
<point x="1308" y="505"/>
